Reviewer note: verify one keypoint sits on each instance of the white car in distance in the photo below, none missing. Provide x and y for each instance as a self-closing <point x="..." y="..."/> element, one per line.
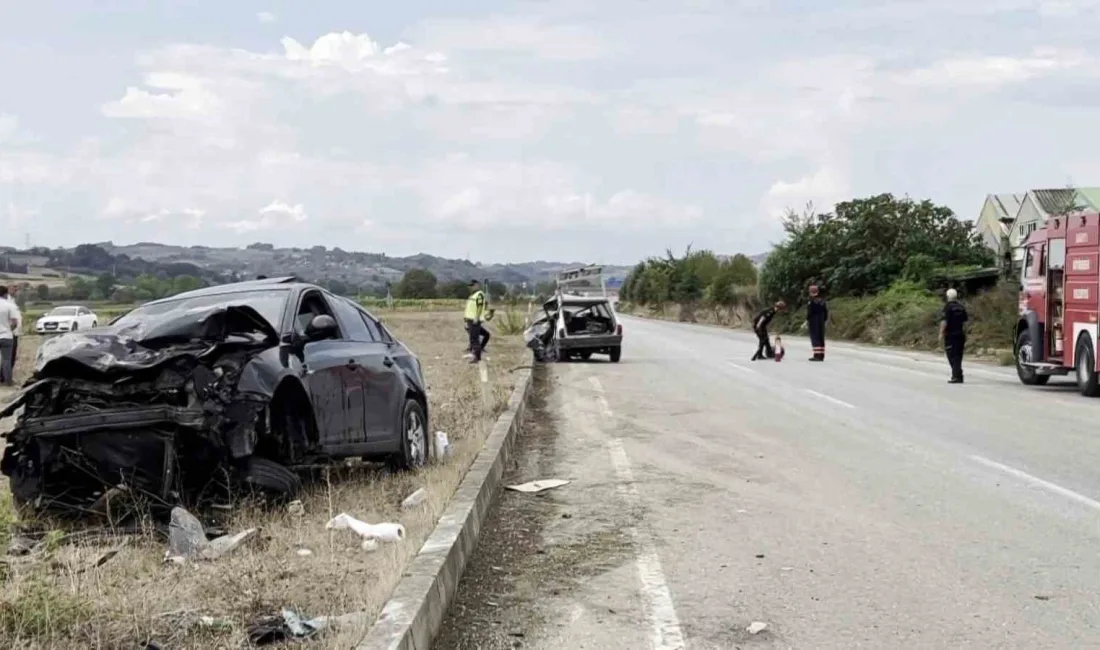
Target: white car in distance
<point x="67" y="318"/>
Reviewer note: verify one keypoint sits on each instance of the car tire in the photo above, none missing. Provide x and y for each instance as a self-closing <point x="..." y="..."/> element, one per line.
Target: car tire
<point x="415" y="449"/>
<point x="265" y="475"/>
<point x="75" y="327"/>
<point x="1085" y="367"/>
<point x="1028" y="376"/>
<point x="616" y="354"/>
<point x="95" y="324"/>
<point x="584" y="356"/>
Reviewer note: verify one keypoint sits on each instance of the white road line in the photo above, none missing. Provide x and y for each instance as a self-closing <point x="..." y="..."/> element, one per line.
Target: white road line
<point x="829" y="399"/>
<point x="605" y="408"/>
<point x="1038" y="482"/>
<point x="666" y="631"/>
<point x="744" y="369"/>
<point x="665" y="625"/>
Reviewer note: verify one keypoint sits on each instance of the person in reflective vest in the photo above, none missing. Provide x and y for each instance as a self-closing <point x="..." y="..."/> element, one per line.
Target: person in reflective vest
<point x="475" y="314"/>
<point x="817" y="314"/>
<point x="760" y="324"/>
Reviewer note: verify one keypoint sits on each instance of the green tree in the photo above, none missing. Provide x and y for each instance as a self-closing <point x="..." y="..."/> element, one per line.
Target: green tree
<point x="104" y="285"/>
<point x="453" y="289"/>
<point x="182" y="283"/>
<point x="865" y="245"/>
<point x="416" y="284"/>
<point x="79" y="288"/>
<point x="43" y="291"/>
<point x="741" y="271"/>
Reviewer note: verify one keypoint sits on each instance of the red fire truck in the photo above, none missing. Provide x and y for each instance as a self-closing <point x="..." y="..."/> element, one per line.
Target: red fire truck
<point x="1057" y="329"/>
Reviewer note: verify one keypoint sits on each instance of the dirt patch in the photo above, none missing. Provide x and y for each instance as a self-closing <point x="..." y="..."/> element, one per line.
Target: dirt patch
<point x="513" y="565"/>
<point x="60" y="598"/>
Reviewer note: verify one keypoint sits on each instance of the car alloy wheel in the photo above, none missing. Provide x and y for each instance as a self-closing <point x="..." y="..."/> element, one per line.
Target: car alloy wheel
<point x="416" y="438"/>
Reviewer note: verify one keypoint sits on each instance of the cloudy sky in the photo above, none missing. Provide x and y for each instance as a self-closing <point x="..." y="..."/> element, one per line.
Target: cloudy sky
<point x="507" y="131"/>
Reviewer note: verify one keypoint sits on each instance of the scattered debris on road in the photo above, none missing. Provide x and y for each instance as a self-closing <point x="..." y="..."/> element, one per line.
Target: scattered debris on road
<point x="538" y="486"/>
<point x="756" y="627"/>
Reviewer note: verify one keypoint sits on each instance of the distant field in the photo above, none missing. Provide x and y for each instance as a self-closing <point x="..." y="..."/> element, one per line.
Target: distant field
<point x="106" y="311"/>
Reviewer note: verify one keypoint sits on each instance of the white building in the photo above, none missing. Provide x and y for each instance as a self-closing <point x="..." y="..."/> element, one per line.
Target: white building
<point x="996" y="218"/>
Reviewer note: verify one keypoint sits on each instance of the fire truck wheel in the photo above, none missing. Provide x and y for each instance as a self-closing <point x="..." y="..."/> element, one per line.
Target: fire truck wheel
<point x="1028" y="376"/>
<point x="1086" y="368"/>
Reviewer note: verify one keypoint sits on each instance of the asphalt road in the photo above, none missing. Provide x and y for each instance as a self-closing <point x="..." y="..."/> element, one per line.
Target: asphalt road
<point x="859" y="503"/>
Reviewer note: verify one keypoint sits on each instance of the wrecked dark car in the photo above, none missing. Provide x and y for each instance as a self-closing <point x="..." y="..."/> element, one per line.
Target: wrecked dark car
<point x="229" y="385"/>
<point x="575" y="327"/>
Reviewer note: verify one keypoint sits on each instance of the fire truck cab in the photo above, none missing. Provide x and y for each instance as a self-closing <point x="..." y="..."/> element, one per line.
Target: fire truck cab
<point x="1059" y="302"/>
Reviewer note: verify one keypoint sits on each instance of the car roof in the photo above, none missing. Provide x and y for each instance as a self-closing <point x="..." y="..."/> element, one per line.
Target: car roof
<point x="237" y="287"/>
<point x="578" y="300"/>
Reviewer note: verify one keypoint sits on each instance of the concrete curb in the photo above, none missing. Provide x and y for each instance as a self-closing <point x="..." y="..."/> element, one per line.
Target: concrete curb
<point x="414" y="612"/>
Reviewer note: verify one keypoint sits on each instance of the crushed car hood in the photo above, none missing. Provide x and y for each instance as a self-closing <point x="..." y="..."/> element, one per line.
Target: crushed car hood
<point x="150" y="342"/>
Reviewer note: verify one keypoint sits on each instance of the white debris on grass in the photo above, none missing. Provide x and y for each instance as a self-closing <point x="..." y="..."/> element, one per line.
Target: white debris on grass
<point x="384" y="532"/>
<point x="442" y="447"/>
<point x="414" y="499"/>
<point x="756" y="627"/>
<point x="187" y="539"/>
<point x="538" y="486"/>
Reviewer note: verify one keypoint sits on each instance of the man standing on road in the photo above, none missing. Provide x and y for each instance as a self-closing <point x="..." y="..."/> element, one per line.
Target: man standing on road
<point x="817" y="314"/>
<point x="760" y="326"/>
<point x="9" y="318"/>
<point x="953" y="334"/>
<point x="475" y="314"/>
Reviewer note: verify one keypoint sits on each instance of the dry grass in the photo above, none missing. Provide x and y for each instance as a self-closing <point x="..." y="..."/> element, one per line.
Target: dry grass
<point x="58" y="599"/>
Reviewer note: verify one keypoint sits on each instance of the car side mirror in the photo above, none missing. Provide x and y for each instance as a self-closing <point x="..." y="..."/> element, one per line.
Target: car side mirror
<point x="321" y="327"/>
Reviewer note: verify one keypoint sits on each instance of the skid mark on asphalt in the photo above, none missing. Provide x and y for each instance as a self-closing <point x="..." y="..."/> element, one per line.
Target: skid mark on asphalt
<point x="1038" y="482"/>
<point x="665" y="625"/>
<point x="829" y="399"/>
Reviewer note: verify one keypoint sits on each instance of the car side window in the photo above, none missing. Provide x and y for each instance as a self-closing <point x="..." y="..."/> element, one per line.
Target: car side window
<point x="348" y="316"/>
<point x="371" y="325"/>
<point x="313" y="304"/>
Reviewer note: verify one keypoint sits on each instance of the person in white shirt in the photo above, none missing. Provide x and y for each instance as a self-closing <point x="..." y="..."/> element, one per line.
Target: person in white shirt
<point x="10" y="319"/>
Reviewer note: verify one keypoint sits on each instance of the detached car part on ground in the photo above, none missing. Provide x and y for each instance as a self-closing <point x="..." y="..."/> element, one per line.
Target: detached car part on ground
<point x="237" y="382"/>
<point x="575" y="327"/>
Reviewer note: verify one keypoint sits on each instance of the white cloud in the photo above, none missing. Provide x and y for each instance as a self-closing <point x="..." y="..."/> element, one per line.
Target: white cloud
<point x="296" y="212"/>
<point x="989" y="72"/>
<point x="506" y="34"/>
<point x="266" y="17"/>
<point x="824" y="188"/>
<point x="276" y="214"/>
<point x="188" y="98"/>
<point x="536" y="196"/>
<point x="9" y="127"/>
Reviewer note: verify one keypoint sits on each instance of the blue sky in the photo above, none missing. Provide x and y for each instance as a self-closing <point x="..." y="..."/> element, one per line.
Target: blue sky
<point x="509" y="131"/>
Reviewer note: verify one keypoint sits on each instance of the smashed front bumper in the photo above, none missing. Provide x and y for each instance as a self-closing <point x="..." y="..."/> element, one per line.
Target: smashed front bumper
<point x="166" y="453"/>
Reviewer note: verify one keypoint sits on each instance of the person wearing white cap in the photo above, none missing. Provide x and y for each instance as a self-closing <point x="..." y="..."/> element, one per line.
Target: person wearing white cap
<point x="953" y="334"/>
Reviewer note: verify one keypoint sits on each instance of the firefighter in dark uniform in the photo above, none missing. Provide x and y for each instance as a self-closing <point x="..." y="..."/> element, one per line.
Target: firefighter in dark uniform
<point x="953" y="334"/>
<point x="760" y="326"/>
<point x="817" y="314"/>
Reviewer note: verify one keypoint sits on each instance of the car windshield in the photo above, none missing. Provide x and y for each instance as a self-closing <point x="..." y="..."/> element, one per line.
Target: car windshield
<point x="62" y="311"/>
<point x="268" y="302"/>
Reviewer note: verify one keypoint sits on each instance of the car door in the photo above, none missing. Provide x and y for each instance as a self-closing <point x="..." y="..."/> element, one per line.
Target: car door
<point x="382" y="379"/>
<point x="387" y="383"/>
<point x="361" y="369"/>
<point x="327" y="364"/>
<point x="84" y="317"/>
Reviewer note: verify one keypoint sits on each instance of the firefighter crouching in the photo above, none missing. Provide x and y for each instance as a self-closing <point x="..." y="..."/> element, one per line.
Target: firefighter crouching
<point x="760" y="326"/>
<point x="474" y="316"/>
<point x="817" y="315"/>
